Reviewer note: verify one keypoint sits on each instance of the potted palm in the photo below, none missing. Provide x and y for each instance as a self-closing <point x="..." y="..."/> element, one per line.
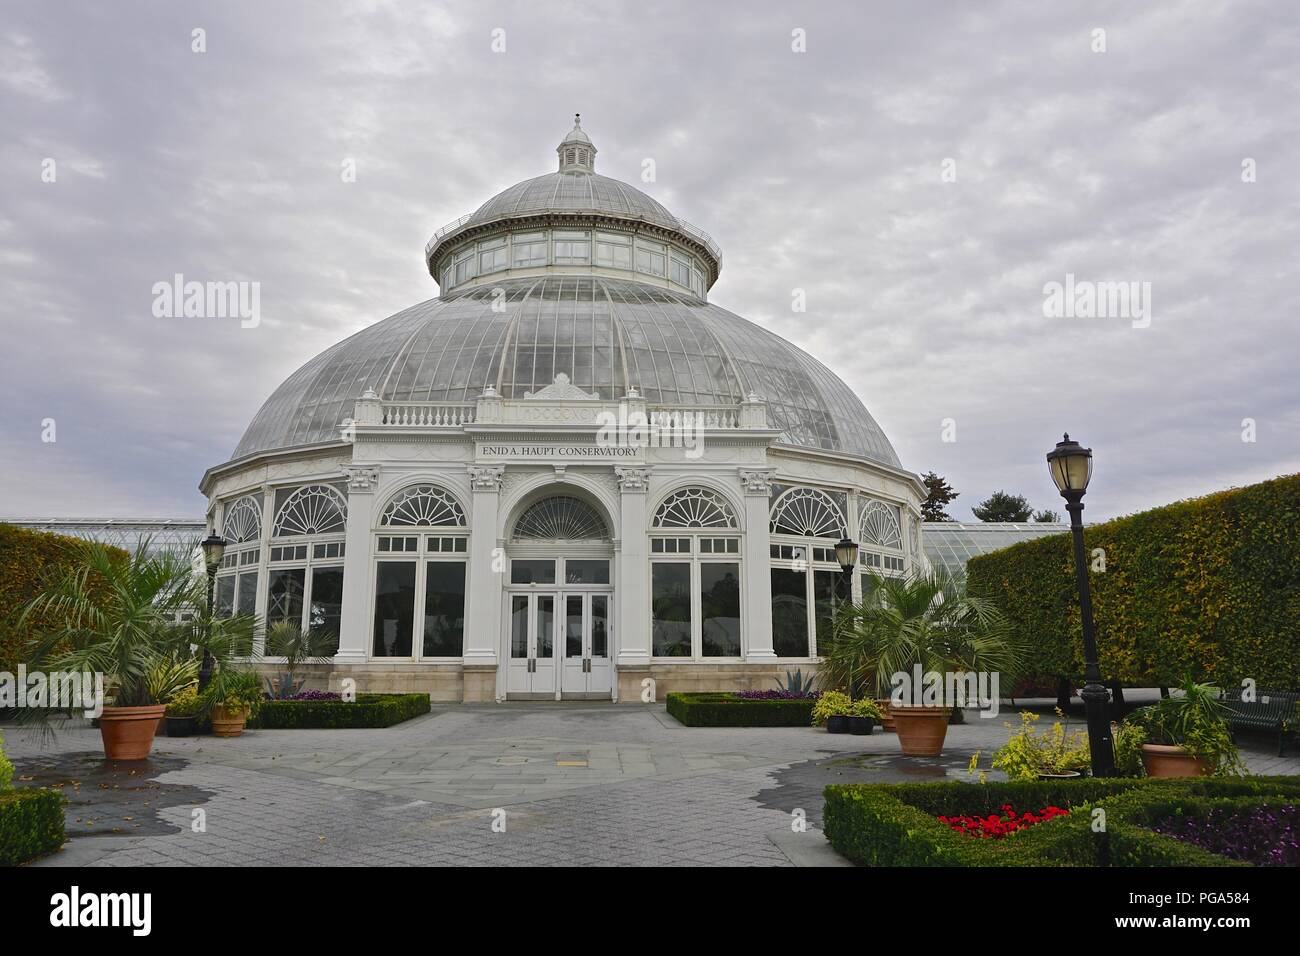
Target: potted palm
<point x="286" y="639"/>
<point x="232" y="699"/>
<point x="832" y="711"/>
<point x="923" y="621"/>
<point x="1186" y="734"/>
<point x="118" y="613"/>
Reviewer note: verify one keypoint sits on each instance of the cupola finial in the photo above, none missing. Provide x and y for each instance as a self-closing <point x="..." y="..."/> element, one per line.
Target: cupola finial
<point x="577" y="154"/>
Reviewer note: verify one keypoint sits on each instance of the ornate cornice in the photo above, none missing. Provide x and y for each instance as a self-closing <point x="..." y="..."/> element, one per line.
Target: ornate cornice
<point x="756" y="482"/>
<point x="486" y="477"/>
<point x="361" y="478"/>
<point x="632" y="479"/>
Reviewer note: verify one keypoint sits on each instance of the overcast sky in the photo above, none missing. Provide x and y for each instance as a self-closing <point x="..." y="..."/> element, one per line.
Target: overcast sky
<point x="821" y="170"/>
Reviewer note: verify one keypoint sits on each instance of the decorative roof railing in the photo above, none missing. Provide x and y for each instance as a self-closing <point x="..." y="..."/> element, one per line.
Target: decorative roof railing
<point x="427" y="414"/>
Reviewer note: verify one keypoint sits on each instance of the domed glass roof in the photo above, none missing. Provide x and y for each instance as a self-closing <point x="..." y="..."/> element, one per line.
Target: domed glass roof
<point x="575" y="192"/>
<point x="607" y="335"/>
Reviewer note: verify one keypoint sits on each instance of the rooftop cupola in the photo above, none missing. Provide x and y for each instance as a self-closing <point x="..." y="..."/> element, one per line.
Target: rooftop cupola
<point x="577" y="154"/>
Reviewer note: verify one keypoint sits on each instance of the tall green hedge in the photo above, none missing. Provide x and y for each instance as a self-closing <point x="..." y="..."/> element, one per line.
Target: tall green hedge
<point x="31" y="824"/>
<point x="30" y="561"/>
<point x="1207" y="588"/>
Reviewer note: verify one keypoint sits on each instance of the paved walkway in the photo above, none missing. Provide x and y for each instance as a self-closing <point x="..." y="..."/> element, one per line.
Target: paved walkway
<point x="576" y="784"/>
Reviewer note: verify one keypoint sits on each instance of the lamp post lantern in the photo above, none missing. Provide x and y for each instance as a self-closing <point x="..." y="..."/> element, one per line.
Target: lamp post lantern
<point x="214" y="548"/>
<point x="1071" y="468"/>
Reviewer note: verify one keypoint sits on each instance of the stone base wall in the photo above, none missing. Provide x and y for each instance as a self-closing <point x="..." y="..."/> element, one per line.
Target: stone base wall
<point x="442" y="682"/>
<point x="701" y="678"/>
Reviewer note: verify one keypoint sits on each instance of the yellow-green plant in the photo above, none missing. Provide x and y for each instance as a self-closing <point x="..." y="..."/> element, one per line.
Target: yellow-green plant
<point x="832" y="703"/>
<point x="6" y="768"/>
<point x="1128" y="739"/>
<point x="1030" y="752"/>
<point x="185" y="703"/>
<point x="866" y="707"/>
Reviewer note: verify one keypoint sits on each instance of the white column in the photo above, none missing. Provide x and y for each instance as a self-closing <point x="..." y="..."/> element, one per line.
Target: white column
<point x="756" y="567"/>
<point x="483" y="602"/>
<point x="631" y="585"/>
<point x="263" y="569"/>
<point x="358" y="580"/>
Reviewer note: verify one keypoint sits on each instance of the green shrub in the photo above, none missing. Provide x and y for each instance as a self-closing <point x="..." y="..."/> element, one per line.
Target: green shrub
<point x="31" y="824"/>
<point x="897" y="825"/>
<point x="6" y="768"/>
<point x="728" y="710"/>
<point x="1208" y="588"/>
<point x="368" y="710"/>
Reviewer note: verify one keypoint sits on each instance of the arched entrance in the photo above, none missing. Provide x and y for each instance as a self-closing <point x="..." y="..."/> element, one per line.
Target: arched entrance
<point x="560" y="602"/>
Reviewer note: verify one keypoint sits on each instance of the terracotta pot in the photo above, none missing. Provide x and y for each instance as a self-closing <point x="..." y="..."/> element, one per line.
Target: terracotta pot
<point x="228" y="721"/>
<point x="886" y="722"/>
<point x="921" y="730"/>
<point x="128" y="732"/>
<point x="162" y="724"/>
<point x="1162" y="760"/>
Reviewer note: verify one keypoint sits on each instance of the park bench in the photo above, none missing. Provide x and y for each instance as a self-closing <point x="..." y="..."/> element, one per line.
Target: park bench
<point x="1270" y="710"/>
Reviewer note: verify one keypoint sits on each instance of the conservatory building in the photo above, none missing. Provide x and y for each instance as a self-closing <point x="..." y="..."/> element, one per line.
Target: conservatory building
<point x="567" y="476"/>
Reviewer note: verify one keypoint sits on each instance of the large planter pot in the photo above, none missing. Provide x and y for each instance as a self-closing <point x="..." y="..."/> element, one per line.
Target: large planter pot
<point x="861" y="725"/>
<point x="1067" y="775"/>
<point x="1162" y="760"/>
<point x="921" y="730"/>
<point x="128" y="732"/>
<point x="839" y="724"/>
<point x="228" y="721"/>
<point x="886" y="722"/>
<point x="182" y="726"/>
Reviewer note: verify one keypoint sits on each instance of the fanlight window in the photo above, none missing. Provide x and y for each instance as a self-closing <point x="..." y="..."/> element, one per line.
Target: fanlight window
<point x="561" y="517"/>
<point x="315" y="509"/>
<point x="881" y="525"/>
<point x="242" y="522"/>
<point x="808" y="513"/>
<point x="424" y="506"/>
<point x="694" y="508"/>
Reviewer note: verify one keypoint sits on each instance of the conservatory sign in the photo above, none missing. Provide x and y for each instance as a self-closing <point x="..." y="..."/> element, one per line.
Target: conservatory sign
<point x="528" y="451"/>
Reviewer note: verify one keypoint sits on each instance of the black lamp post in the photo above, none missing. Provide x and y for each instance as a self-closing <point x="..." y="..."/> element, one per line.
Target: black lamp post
<point x="214" y="548"/>
<point x="846" y="553"/>
<point x="1071" y="468"/>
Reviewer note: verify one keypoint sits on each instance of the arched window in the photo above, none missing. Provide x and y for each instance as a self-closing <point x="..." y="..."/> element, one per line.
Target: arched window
<point x="424" y="506"/>
<point x="242" y="522"/>
<point x="561" y="517"/>
<point x="314" y="509"/>
<point x="695" y="508"/>
<point x="881" y="524"/>
<point x="808" y="513"/>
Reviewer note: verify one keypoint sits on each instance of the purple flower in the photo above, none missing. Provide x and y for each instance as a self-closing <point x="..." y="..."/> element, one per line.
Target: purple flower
<point x="1260" y="835"/>
<point x="316" y="695"/>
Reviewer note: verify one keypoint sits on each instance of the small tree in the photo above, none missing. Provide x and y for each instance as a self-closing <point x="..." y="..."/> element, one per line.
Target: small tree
<point x="1001" y="506"/>
<point x="1047" y="516"/>
<point x="938" y="494"/>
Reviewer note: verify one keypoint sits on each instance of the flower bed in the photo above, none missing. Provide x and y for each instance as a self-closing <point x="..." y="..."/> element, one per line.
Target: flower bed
<point x="368" y="710"/>
<point x="732" y="710"/>
<point x="996" y="826"/>
<point x="899" y="824"/>
<point x="1263" y="835"/>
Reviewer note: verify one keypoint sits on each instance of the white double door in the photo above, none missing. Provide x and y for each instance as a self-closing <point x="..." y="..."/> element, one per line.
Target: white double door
<point x="560" y="644"/>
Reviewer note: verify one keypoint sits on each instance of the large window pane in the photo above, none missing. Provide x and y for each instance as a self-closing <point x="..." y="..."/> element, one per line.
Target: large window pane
<point x="586" y="572"/>
<point x="532" y="572"/>
<point x="284" y="595"/>
<point x="326" y="603"/>
<point x="830" y="590"/>
<point x="789" y="612"/>
<point x="519" y="627"/>
<point x="444" y="609"/>
<point x="670" y="609"/>
<point x="720" y="609"/>
<point x="225" y="596"/>
<point x="545" y="626"/>
<point x="246" y="602"/>
<point x="573" y="626"/>
<point x="394" y="608"/>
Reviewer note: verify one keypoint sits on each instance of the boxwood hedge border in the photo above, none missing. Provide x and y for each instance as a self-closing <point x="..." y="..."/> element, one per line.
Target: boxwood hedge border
<point x="367" y="711"/>
<point x="728" y="710"/>
<point x="31" y="824"/>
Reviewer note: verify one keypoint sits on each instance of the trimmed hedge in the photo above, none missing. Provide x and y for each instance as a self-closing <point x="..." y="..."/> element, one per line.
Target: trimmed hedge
<point x="728" y="710"/>
<point x="368" y="710"/>
<point x="30" y="561"/>
<point x="897" y="825"/>
<point x="1208" y="588"/>
<point x="31" y="824"/>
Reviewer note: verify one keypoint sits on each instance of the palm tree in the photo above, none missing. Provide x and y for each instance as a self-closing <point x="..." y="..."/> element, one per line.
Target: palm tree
<point x="286" y="639"/>
<point x="119" y="619"/>
<point x="923" y="619"/>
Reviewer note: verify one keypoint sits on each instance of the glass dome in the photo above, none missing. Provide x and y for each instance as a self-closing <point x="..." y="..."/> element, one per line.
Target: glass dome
<point x="608" y="335"/>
